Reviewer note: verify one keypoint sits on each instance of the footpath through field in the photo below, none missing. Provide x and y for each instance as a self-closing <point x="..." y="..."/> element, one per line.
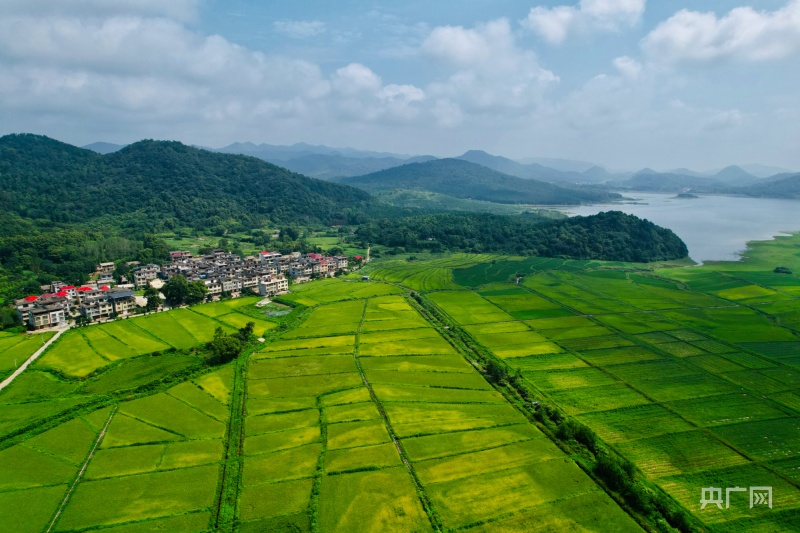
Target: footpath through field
<point x="30" y="360"/>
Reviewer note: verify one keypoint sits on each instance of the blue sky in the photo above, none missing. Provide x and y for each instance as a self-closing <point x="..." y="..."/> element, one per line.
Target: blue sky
<point x="623" y="83"/>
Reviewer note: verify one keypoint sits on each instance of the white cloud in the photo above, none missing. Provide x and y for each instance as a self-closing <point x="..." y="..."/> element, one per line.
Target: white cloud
<point x="183" y="10"/>
<point x="490" y="72"/>
<point x="555" y="24"/>
<point x="139" y="69"/>
<point x="628" y="67"/>
<point x="743" y="34"/>
<point x="299" y="29"/>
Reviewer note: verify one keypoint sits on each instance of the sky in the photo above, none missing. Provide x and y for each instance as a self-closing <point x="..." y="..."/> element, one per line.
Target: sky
<point x="622" y="83"/>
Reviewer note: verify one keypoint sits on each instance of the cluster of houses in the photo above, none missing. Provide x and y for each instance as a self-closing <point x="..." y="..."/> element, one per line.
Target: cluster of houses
<point x="93" y="302"/>
<point x="223" y="273"/>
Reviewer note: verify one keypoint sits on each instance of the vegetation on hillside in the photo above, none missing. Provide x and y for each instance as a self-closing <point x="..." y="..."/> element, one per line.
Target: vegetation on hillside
<point x="462" y="179"/>
<point x="612" y="236"/>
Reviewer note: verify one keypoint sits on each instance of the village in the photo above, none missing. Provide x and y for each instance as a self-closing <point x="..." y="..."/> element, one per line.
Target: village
<point x="223" y="273"/>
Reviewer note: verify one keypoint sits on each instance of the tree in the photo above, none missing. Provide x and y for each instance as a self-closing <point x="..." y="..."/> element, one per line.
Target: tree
<point x="153" y="299"/>
<point x="245" y="334"/>
<point x="225" y="347"/>
<point x="289" y="233"/>
<point x="176" y="291"/>
<point x="197" y="291"/>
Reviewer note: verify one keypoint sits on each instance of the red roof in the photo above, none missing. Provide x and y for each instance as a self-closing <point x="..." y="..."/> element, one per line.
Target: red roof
<point x="67" y="288"/>
<point x="62" y="294"/>
<point x="83" y="289"/>
<point x="48" y="295"/>
<point x="31" y="298"/>
<point x="359" y="257"/>
<point x="105" y="288"/>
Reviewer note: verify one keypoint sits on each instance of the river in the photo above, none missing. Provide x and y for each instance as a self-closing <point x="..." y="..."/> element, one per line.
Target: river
<point x="715" y="228"/>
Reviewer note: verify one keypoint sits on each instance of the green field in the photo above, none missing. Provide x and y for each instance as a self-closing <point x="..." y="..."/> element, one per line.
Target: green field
<point x="363" y="414"/>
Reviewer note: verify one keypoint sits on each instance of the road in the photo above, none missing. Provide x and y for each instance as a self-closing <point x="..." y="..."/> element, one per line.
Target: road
<point x="31" y="359"/>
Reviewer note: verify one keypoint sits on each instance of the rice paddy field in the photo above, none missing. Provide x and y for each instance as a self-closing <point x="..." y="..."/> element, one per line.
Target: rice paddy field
<point x="361" y="415"/>
<point x="365" y="419"/>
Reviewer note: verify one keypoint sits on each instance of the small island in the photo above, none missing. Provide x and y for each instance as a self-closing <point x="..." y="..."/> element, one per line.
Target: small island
<point x="685" y="195"/>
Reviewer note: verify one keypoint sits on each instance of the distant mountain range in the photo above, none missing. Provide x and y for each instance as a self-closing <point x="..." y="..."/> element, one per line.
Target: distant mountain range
<point x="464" y="179"/>
<point x="325" y="162"/>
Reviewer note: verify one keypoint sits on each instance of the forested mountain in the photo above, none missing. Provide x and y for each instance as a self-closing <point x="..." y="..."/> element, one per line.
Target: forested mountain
<point x="462" y="179"/>
<point x="157" y="183"/>
<point x="607" y="236"/>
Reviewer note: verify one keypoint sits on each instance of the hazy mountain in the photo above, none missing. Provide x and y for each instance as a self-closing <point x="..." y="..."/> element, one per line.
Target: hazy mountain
<point x="735" y="175"/>
<point x="285" y="153"/>
<point x="765" y="171"/>
<point x="652" y="181"/>
<point x="463" y="179"/>
<point x="330" y="166"/>
<point x="564" y="165"/>
<point x="598" y="174"/>
<point x="104" y="148"/>
<point x="687" y="172"/>
<point x="532" y="171"/>
<point x="785" y="187"/>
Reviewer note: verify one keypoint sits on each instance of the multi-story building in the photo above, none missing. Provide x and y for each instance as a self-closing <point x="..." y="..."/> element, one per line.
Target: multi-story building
<point x="142" y="276"/>
<point x="47" y="310"/>
<point x="270" y="286"/>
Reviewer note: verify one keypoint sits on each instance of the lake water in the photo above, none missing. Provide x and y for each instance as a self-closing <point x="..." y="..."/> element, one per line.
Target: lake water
<point x="715" y="228"/>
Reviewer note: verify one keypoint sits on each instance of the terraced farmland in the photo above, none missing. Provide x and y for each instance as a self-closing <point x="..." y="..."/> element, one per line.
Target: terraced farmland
<point x="695" y="388"/>
<point x="361" y="413"/>
<point x="391" y="429"/>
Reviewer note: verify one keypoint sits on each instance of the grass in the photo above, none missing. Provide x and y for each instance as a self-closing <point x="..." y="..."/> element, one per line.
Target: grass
<point x="302" y="385"/>
<point x="133" y="373"/>
<point x="118" y="500"/>
<point x="301" y="366"/>
<point x="127" y="431"/>
<point x="282" y="440"/>
<point x="72" y="355"/>
<point x="166" y="412"/>
<point x="197" y="398"/>
<point x="485" y="461"/>
<point x="351" y="412"/>
<point x="32" y="509"/>
<point x="295" y="463"/>
<point x="352" y="434"/>
<point x="278" y="499"/>
<point x="464" y="501"/>
<point x="25" y="467"/>
<point x="383" y="500"/>
<point x="449" y="380"/>
<point x="69" y="441"/>
<point x="428" y="419"/>
<point x="443" y="445"/>
<point x="256" y="425"/>
<point x="364" y="457"/>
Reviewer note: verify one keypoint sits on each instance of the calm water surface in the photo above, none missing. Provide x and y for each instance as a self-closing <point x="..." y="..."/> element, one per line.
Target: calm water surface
<point x="715" y="228"/>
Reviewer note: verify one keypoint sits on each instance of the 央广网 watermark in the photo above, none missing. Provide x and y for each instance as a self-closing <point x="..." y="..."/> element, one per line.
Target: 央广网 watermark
<point x="759" y="496"/>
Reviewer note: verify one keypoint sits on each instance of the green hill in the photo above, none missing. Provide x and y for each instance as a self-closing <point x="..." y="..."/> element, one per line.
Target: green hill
<point x="168" y="184"/>
<point x="612" y="236"/>
<point x="462" y="179"/>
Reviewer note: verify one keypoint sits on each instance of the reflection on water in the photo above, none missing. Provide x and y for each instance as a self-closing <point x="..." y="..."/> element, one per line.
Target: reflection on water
<point x="715" y="228"/>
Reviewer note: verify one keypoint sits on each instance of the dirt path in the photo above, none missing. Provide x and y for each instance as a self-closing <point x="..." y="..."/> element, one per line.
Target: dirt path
<point x="30" y="360"/>
<point x="83" y="469"/>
